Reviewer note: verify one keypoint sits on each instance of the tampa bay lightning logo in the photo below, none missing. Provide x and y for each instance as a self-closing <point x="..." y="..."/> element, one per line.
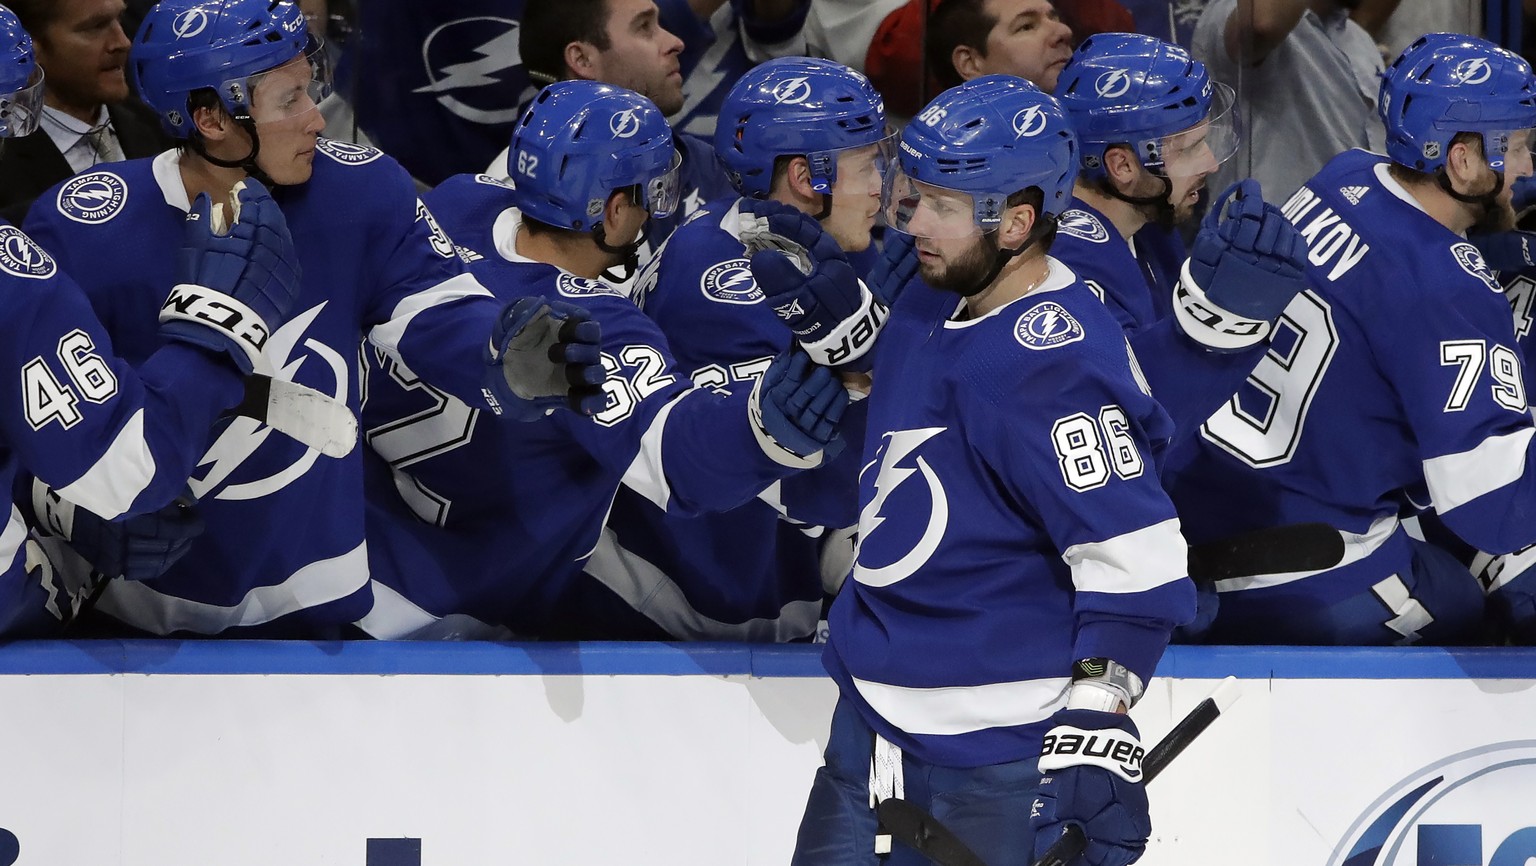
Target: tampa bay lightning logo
<point x="1029" y="122"/>
<point x="1482" y="790"/>
<point x="1083" y="225"/>
<point x="731" y="282"/>
<point x="20" y="255"/>
<point x="899" y="497"/>
<point x="624" y="124"/>
<point x="1047" y="325"/>
<point x="93" y="198"/>
<point x="1473" y="70"/>
<point x="573" y="286"/>
<point x="474" y="70"/>
<point x="792" y="91"/>
<point x="1113" y="84"/>
<point x="189" y="23"/>
<point x="346" y="152"/>
<point x="1471" y="260"/>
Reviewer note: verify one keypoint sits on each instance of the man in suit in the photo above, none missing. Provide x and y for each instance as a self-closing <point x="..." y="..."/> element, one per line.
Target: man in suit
<point x="89" y="115"/>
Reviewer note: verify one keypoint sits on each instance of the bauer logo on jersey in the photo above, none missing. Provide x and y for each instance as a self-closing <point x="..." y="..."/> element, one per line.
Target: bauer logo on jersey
<point x="1469" y="807"/>
<point x="93" y="198"/>
<point x="1084" y="225"/>
<point x="346" y="152"/>
<point x="1046" y="326"/>
<point x="731" y="282"/>
<point x="1030" y="122"/>
<point x="1471" y="260"/>
<point x="573" y="286"/>
<point x="20" y="255"/>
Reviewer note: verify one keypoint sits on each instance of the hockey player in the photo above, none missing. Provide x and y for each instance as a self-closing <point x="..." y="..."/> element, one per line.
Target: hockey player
<point x="1152" y="126"/>
<point x="1402" y="344"/>
<point x="971" y="638"/>
<point x="235" y="81"/>
<point x="115" y="440"/>
<point x="517" y="508"/>
<point x="804" y="141"/>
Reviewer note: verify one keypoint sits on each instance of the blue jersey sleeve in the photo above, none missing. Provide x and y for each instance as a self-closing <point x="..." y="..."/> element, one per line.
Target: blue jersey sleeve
<point x="110" y="438"/>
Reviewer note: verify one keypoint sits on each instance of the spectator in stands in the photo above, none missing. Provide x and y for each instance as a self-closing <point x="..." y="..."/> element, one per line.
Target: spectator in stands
<point x="1306" y="76"/>
<point x="89" y="116"/>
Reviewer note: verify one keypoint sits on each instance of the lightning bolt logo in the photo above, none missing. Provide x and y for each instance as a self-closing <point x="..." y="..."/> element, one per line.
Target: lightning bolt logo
<point x="898" y="446"/>
<point x="731" y="282"/>
<point x="493" y="58"/>
<point x="93" y="198"/>
<point x="1113" y="84"/>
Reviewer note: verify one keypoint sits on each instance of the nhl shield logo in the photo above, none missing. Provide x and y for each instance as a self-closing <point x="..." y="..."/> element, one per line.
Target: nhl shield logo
<point x="93" y="198"/>
<point x="731" y="282"/>
<point x="1045" y="326"/>
<point x="20" y="255"/>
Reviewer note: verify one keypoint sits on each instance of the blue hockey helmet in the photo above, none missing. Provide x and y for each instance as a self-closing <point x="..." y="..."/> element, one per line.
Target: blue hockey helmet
<point x="796" y="106"/>
<point x="1139" y="91"/>
<point x="581" y="140"/>
<point x="1445" y="83"/>
<point x="225" y="45"/>
<point x="21" y="79"/>
<point x="970" y="149"/>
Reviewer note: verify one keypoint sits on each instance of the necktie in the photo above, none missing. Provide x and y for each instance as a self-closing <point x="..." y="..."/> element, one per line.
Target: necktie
<point x="104" y="142"/>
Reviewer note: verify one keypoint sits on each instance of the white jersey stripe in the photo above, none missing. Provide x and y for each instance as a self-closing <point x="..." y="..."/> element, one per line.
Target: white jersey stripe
<point x="1133" y="562"/>
<point x="109" y="487"/>
<point x="1456" y="479"/>
<point x="387" y="336"/>
<point x="950" y="710"/>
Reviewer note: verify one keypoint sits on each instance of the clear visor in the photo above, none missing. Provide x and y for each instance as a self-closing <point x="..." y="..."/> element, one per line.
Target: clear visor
<point x="1509" y="150"/>
<point x="923" y="210"/>
<point x="663" y="192"/>
<point x="288" y="91"/>
<point x="21" y="111"/>
<point x="853" y="170"/>
<point x="1202" y="148"/>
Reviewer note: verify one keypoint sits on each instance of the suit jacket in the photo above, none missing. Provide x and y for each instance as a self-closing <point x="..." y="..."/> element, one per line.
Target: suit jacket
<point x="31" y="164"/>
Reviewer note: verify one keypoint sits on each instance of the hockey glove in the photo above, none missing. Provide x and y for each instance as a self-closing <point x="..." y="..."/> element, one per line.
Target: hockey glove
<point x="807" y="281"/>
<point x="1090" y="766"/>
<point x="1510" y="582"/>
<point x="141" y="547"/>
<point x="544" y="355"/>
<point x="795" y="408"/>
<point x="1241" y="273"/>
<point x="237" y="276"/>
<point x="1510" y="252"/>
<point x="895" y="268"/>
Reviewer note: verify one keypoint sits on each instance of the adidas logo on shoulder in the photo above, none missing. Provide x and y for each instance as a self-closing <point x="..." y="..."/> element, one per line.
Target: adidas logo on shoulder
<point x="1354" y="193"/>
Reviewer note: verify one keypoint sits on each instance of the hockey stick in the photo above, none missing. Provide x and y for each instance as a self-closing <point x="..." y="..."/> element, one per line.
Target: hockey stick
<point x="1273" y="550"/>
<point x="914" y="827"/>
<point x="311" y="418"/>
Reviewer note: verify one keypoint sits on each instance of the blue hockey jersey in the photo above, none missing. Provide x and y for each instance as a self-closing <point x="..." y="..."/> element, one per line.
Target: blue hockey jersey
<point x="1012" y="522"/>
<point x="754" y="573"/>
<point x="1135" y="279"/>
<point x="521" y="506"/>
<point x="283" y="550"/>
<point x="106" y="437"/>
<point x="1395" y="372"/>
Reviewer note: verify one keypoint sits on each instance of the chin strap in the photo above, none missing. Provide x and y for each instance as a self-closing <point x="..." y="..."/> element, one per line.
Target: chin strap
<point x="1487" y="200"/>
<point x="247" y="163"/>
<point x="1005" y="256"/>
<point x="629" y="256"/>
<point x="1162" y="210"/>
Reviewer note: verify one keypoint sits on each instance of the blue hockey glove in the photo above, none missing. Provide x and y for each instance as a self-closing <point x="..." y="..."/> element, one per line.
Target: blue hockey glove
<point x="1523" y="193"/>
<point x="544" y="355"/>
<point x="1510" y="252"/>
<point x="1510" y="582"/>
<point x="1242" y="271"/>
<point x="1090" y="766"/>
<point x="237" y="276"/>
<point x="795" y="408"/>
<point x="807" y="281"/>
<point x="895" y="268"/>
<point x="141" y="547"/>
